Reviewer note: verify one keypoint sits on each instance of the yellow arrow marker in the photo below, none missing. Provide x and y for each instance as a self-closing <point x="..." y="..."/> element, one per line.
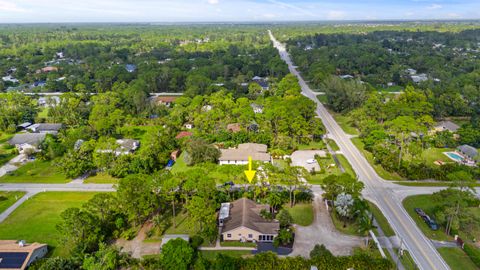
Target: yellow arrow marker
<point x="250" y="173"/>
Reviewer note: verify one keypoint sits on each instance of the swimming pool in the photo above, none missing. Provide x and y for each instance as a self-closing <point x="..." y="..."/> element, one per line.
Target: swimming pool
<point x="454" y="156"/>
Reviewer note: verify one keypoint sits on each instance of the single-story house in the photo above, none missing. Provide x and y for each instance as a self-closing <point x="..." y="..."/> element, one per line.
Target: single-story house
<point x="17" y="255"/>
<point x="23" y="126"/>
<point x="347" y="76"/>
<point x="26" y="141"/>
<point x="257" y="108"/>
<point x="167" y="101"/>
<point x="130" y="68"/>
<point x="183" y="134"/>
<point x="47" y="69"/>
<point x="446" y="125"/>
<point x="470" y="152"/>
<point x="51" y="101"/>
<point x="10" y="78"/>
<point x="45" y="128"/>
<point x="262" y="82"/>
<point x="127" y="145"/>
<point x="235" y="127"/>
<point x="239" y="156"/>
<point x="411" y="71"/>
<point x="241" y="221"/>
<point x="419" y="78"/>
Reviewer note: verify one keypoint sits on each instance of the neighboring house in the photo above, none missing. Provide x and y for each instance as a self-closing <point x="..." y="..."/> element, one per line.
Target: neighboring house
<point x="27" y="141"/>
<point x="188" y="125"/>
<point x="47" y="69"/>
<point x="130" y="67"/>
<point x="446" y="125"/>
<point x="239" y="156"/>
<point x="167" y="101"/>
<point x="127" y="146"/>
<point x="262" y="82"/>
<point x="235" y="127"/>
<point x="9" y="78"/>
<point x="419" y="78"/>
<point x="19" y="255"/>
<point x="469" y="152"/>
<point x="257" y="108"/>
<point x="411" y="71"/>
<point x="348" y="76"/>
<point x="183" y="134"/>
<point x="241" y="221"/>
<point x="51" y="101"/>
<point x="45" y="128"/>
<point x="23" y="126"/>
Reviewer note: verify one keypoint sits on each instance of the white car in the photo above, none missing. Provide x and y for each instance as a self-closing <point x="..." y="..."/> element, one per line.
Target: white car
<point x="311" y="161"/>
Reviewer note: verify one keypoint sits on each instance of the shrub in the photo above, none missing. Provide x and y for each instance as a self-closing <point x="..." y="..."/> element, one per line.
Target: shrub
<point x="473" y="253"/>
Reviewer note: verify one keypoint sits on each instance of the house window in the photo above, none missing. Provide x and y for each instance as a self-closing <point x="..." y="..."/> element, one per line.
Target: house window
<point x="250" y="236"/>
<point x="229" y="235"/>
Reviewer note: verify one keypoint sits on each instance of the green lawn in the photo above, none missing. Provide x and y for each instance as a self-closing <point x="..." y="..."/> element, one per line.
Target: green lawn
<point x="4" y="137"/>
<point x="407" y="260"/>
<point x="333" y="145"/>
<point x="35" y="172"/>
<point x="433" y="154"/>
<point x="346" y="165"/>
<point x="427" y="203"/>
<point x="325" y="170"/>
<point x="428" y="183"/>
<point x="36" y="219"/>
<point x="320" y="145"/>
<point x="211" y="254"/>
<point x="137" y="132"/>
<point x="7" y="152"/>
<point x="43" y="113"/>
<point x="322" y="99"/>
<point x="7" y="198"/>
<point x="378" y="168"/>
<point x="182" y="225"/>
<point x="237" y="244"/>
<point x="351" y="228"/>
<point x="457" y="259"/>
<point x="381" y="220"/>
<point x="180" y="165"/>
<point x="344" y="122"/>
<point x="101" y="178"/>
<point x="301" y="213"/>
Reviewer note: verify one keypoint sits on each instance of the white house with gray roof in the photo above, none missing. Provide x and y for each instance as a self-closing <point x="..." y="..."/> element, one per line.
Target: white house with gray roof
<point x="27" y="141"/>
<point x="239" y="155"/>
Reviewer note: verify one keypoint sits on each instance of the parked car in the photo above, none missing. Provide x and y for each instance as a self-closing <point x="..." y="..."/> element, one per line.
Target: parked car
<point x="432" y="224"/>
<point x="229" y="183"/>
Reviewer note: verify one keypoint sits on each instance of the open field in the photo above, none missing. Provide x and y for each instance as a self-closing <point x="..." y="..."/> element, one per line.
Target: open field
<point x="457" y="259"/>
<point x="344" y="122"/>
<point x="35" y="172"/>
<point x="350" y="228"/>
<point x="325" y="170"/>
<point x="7" y="152"/>
<point x="101" y="178"/>
<point x="431" y="155"/>
<point x="9" y="198"/>
<point x="36" y="219"/>
<point x="301" y="213"/>
<point x="320" y="145"/>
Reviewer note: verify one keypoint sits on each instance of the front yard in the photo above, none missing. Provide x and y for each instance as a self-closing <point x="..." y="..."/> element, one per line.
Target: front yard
<point x="301" y="213"/>
<point x="36" y="219"/>
<point x="457" y="259"/>
<point x="7" y="198"/>
<point x="35" y="172"/>
<point x="101" y="178"/>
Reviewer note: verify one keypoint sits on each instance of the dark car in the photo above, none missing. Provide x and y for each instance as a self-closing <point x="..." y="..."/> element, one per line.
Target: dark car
<point x="229" y="183"/>
<point x="432" y="224"/>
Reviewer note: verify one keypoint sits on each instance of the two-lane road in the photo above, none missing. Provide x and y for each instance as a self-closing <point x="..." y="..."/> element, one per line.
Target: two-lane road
<point x="377" y="189"/>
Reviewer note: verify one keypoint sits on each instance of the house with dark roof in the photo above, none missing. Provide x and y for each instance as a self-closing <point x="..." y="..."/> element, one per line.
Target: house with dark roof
<point x="469" y="152"/>
<point x="446" y="126"/>
<point x="19" y="255"/>
<point x="45" y="128"/>
<point x="26" y="141"/>
<point x="262" y="82"/>
<point x="241" y="220"/>
<point x="130" y="68"/>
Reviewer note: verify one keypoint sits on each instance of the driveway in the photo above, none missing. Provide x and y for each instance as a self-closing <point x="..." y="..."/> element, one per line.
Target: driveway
<point x="13" y="164"/>
<point x="306" y="159"/>
<point x="322" y="231"/>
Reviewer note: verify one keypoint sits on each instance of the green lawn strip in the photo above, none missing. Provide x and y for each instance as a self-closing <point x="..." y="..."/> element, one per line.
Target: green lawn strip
<point x="346" y="165"/>
<point x="431" y="155"/>
<point x="427" y="203"/>
<point x="378" y="168"/>
<point x="381" y="220"/>
<point x="43" y="113"/>
<point x="301" y="213"/>
<point x="457" y="259"/>
<point x="7" y="152"/>
<point x="212" y="254"/>
<point x="35" y="172"/>
<point x="427" y="183"/>
<point x="36" y="219"/>
<point x="101" y="178"/>
<point x="281" y="163"/>
<point x="344" y="122"/>
<point x="180" y="165"/>
<point x="8" y="198"/>
<point x="406" y="260"/>
<point x="237" y="244"/>
<point x="137" y="132"/>
<point x="4" y="137"/>
<point x="320" y="145"/>
<point x="333" y="145"/>
<point x="351" y="228"/>
<point x="322" y="99"/>
<point x="325" y="170"/>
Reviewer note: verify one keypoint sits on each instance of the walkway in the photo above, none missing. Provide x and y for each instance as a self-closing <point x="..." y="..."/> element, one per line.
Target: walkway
<point x="12" y="208"/>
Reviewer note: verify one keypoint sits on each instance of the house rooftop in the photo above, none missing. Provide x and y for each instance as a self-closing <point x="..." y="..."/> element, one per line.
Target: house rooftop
<point x="183" y="134"/>
<point x="129" y="145"/>
<point x="168" y="99"/>
<point x="256" y="151"/>
<point x="45" y="127"/>
<point x="246" y="213"/>
<point x="27" y="138"/>
<point x="448" y="125"/>
<point x="468" y="150"/>
<point x="17" y="255"/>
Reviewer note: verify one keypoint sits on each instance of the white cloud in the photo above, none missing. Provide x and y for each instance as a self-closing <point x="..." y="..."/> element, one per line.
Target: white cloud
<point x="290" y="6"/>
<point x="336" y="15"/>
<point x="435" y="6"/>
<point x="453" y="15"/>
<point x="213" y="2"/>
<point x="11" y="7"/>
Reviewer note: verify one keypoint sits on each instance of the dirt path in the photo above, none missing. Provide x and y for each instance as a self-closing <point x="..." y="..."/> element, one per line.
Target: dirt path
<point x="136" y="247"/>
<point x="322" y="231"/>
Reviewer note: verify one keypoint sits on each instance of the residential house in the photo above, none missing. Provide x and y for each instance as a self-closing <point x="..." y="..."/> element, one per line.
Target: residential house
<point x="47" y="69"/>
<point x="183" y="134"/>
<point x="51" y="101"/>
<point x="411" y="71"/>
<point x="234" y="128"/>
<point x="20" y="255"/>
<point x="45" y="128"/>
<point x="167" y="101"/>
<point x="262" y="82"/>
<point x="189" y="126"/>
<point x="23" y="126"/>
<point x="469" y="152"/>
<point x="27" y="141"/>
<point x="419" y="78"/>
<point x="127" y="146"/>
<point x="446" y="126"/>
<point x="257" y="108"/>
<point x="239" y="156"/>
<point x="130" y="68"/>
<point x="348" y="76"/>
<point x="242" y="221"/>
<point x="10" y="78"/>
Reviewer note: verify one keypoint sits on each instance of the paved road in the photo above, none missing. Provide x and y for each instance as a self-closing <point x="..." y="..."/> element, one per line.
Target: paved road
<point x="57" y="187"/>
<point x="376" y="189"/>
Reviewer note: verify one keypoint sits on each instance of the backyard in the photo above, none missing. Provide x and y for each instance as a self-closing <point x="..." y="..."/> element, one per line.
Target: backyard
<point x="35" y="172"/>
<point x="36" y="219"/>
<point x="7" y="198"/>
<point x="301" y="213"/>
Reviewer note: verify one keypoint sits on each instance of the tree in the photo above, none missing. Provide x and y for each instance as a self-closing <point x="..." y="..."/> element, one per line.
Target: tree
<point x="284" y="218"/>
<point x="334" y="185"/>
<point x="80" y="228"/>
<point x="55" y="263"/>
<point x="106" y="258"/>
<point x="202" y="216"/>
<point x="169" y="186"/>
<point x="275" y="200"/>
<point x="199" y="151"/>
<point x="320" y="251"/>
<point x="106" y="115"/>
<point x="77" y="162"/>
<point x="176" y="254"/>
<point x="343" y="206"/>
<point x="344" y="95"/>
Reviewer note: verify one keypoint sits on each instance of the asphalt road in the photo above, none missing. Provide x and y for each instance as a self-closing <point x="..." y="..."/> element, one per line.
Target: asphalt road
<point x="376" y="189"/>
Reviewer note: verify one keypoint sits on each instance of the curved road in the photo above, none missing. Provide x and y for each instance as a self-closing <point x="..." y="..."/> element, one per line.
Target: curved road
<point x="377" y="189"/>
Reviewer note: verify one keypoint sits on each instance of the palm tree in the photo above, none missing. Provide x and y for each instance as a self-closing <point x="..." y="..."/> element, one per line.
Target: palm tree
<point x="275" y="200"/>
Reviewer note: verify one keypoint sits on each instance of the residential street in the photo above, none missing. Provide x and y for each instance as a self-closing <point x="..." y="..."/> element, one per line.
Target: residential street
<point x="376" y="189"/>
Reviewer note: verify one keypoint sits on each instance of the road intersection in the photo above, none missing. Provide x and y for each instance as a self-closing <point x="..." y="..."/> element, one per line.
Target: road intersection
<point x="379" y="191"/>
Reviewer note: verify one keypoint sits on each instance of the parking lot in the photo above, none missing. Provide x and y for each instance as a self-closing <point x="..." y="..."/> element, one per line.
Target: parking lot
<point x="306" y="159"/>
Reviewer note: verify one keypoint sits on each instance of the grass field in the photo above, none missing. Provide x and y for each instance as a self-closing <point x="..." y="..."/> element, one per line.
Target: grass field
<point x="35" y="172"/>
<point x="381" y="220"/>
<point x="378" y="168"/>
<point x="35" y="219"/>
<point x="301" y="213"/>
<point x="427" y="203"/>
<point x="433" y="154"/>
<point x="320" y="145"/>
<point x="326" y="170"/>
<point x="457" y="259"/>
<point x="4" y="137"/>
<point x="344" y="122"/>
<point x="211" y="254"/>
<point x="407" y="260"/>
<point x="428" y="183"/>
<point x="7" y="152"/>
<point x="333" y="145"/>
<point x="182" y="225"/>
<point x="101" y="178"/>
<point x="180" y="165"/>
<point x="9" y="198"/>
<point x="351" y="228"/>
<point x="346" y="165"/>
<point x="322" y="99"/>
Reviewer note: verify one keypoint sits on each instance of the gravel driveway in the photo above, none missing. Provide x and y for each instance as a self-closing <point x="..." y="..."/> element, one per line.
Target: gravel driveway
<point x="322" y="231"/>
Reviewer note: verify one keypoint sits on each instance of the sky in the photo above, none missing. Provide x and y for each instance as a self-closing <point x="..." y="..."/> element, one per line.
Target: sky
<point x="32" y="11"/>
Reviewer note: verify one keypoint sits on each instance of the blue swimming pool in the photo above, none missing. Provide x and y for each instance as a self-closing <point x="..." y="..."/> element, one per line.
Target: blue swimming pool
<point x="454" y="156"/>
